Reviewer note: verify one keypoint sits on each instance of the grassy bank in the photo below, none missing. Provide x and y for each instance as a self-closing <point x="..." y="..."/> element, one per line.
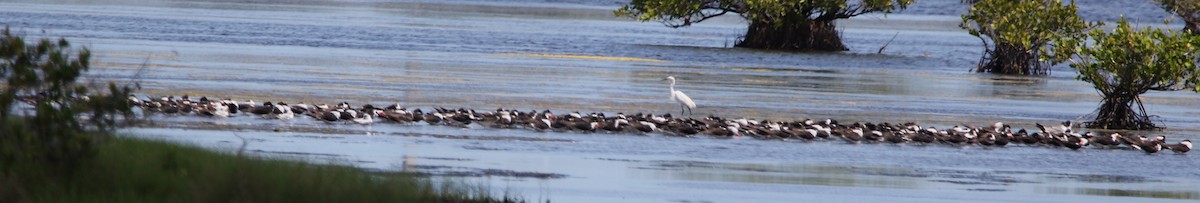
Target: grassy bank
<point x="138" y="170"/>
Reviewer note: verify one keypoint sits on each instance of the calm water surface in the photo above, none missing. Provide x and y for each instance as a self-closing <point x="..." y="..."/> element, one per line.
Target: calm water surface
<point x="574" y="56"/>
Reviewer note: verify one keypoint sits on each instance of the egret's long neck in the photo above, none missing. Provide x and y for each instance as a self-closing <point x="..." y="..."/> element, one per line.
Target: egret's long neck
<point x="672" y="86"/>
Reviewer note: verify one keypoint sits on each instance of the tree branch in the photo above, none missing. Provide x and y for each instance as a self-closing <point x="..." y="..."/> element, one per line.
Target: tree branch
<point x="688" y="21"/>
<point x="705" y="13"/>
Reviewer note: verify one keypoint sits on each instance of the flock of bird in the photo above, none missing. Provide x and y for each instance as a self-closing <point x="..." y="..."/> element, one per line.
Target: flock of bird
<point x="998" y="134"/>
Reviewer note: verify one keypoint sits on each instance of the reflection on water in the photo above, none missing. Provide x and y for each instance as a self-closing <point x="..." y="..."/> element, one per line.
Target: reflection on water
<point x="786" y="174"/>
<point x="917" y="179"/>
<point x="1015" y="87"/>
<point x="1125" y="193"/>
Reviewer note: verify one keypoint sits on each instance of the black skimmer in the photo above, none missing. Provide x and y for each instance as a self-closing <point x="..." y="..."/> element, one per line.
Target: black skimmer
<point x="894" y="137"/>
<point x="1073" y="141"/>
<point x="540" y="124"/>
<point x="615" y="125"/>
<point x="433" y="118"/>
<point x="987" y="139"/>
<point x="214" y="109"/>
<point x="264" y="109"/>
<point x="729" y="130"/>
<point x="682" y="128"/>
<point x="1023" y="136"/>
<point x="803" y="133"/>
<point x="330" y="115"/>
<point x="367" y="116"/>
<point x="585" y="125"/>
<point x="282" y="111"/>
<point x="1150" y="146"/>
<point x="1110" y="140"/>
<point x="851" y="135"/>
<point x="1183" y="146"/>
<point x="926" y="136"/>
<point x="644" y="126"/>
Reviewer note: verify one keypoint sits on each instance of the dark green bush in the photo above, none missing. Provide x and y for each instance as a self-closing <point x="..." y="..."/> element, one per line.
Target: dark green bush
<point x="46" y="116"/>
<point x="56" y="145"/>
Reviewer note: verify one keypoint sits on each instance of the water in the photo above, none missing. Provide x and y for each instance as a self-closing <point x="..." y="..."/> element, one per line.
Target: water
<point x="573" y="56"/>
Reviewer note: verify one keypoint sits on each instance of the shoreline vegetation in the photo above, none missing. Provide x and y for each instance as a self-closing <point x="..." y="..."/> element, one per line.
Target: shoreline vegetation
<point x="57" y="145"/>
<point x="139" y="170"/>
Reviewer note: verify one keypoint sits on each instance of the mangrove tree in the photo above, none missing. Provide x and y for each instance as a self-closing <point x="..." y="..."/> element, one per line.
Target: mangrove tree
<point x="1125" y="63"/>
<point x="1187" y="10"/>
<point x="1024" y="37"/>
<point x="774" y="24"/>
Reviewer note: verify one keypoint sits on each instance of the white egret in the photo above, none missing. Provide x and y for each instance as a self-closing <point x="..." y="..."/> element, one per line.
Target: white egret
<point x="685" y="102"/>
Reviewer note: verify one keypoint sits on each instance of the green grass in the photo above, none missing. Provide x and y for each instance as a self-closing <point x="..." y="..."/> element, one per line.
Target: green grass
<point x="138" y="170"/>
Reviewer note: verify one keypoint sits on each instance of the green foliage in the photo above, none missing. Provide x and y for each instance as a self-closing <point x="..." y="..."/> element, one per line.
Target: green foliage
<point x="135" y="170"/>
<point x="66" y="117"/>
<point x="679" y="13"/>
<point x="1126" y="63"/>
<point x="1128" y="60"/>
<point x="774" y="24"/>
<point x="50" y="128"/>
<point x="1024" y="35"/>
<point x="1188" y="10"/>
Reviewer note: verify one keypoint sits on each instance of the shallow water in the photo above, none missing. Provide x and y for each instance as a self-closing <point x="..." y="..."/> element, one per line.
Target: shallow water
<point x="572" y="167"/>
<point x="573" y="56"/>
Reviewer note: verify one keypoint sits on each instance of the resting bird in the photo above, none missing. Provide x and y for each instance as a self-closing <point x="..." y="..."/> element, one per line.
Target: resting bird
<point x="685" y="102"/>
<point x="1183" y="146"/>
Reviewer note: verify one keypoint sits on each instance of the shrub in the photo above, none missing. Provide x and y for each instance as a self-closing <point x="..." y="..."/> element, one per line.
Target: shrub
<point x="67" y="117"/>
<point x="1126" y="63"/>
<point x="1024" y="36"/>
